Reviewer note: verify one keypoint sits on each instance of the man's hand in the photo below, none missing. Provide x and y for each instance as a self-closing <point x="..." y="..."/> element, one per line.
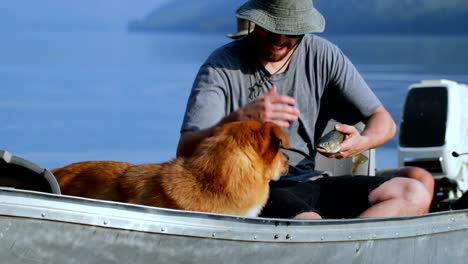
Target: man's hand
<point x="379" y="129"/>
<point x="354" y="143"/>
<point x="271" y="107"/>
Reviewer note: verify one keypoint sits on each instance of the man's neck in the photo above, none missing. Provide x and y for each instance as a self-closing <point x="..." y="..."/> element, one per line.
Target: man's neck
<point x="276" y="67"/>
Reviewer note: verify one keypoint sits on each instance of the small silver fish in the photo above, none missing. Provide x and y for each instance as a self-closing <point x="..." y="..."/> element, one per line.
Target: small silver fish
<point x="330" y="142"/>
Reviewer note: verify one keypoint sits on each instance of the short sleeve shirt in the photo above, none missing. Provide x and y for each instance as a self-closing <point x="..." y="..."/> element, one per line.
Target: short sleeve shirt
<point x="323" y="81"/>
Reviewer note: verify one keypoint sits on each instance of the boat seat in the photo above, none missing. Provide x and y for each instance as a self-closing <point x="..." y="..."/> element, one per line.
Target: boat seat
<point x="18" y="173"/>
<point x="350" y="166"/>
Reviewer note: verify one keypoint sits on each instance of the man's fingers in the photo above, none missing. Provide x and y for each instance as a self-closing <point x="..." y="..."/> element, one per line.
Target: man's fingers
<point x="282" y="116"/>
<point x="347" y="129"/>
<point x="281" y="123"/>
<point x="272" y="91"/>
<point x="286" y="117"/>
<point x="283" y="99"/>
<point x="273" y="98"/>
<point x="285" y="109"/>
<point x="278" y="109"/>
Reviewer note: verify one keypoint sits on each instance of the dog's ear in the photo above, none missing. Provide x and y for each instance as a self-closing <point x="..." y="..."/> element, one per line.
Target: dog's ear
<point x="274" y="137"/>
<point x="278" y="133"/>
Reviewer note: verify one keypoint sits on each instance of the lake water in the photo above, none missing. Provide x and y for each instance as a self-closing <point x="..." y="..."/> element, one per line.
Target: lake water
<point x="77" y="95"/>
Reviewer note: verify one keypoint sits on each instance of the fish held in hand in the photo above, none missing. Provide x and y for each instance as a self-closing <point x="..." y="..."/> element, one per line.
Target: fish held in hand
<point x="330" y="142"/>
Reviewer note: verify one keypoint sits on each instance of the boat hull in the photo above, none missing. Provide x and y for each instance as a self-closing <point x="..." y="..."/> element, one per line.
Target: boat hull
<point x="48" y="228"/>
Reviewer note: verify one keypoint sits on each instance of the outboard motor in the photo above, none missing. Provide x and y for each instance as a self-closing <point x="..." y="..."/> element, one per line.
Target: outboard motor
<point x="434" y="131"/>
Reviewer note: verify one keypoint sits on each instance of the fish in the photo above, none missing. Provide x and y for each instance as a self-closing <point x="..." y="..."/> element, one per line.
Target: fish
<point x="330" y="142"/>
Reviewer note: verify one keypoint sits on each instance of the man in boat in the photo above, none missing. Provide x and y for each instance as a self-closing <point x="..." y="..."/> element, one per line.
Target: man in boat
<point x="285" y="74"/>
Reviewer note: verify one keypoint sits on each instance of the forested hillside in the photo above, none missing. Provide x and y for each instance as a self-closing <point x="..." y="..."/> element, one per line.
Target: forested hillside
<point x="342" y="16"/>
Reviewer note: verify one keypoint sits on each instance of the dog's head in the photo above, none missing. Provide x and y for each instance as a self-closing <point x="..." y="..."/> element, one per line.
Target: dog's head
<point x="260" y="143"/>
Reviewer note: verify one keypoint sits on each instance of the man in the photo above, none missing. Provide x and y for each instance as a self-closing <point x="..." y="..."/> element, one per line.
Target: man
<point x="282" y="73"/>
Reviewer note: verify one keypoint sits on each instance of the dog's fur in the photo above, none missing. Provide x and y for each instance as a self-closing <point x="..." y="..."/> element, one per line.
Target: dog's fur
<point x="228" y="173"/>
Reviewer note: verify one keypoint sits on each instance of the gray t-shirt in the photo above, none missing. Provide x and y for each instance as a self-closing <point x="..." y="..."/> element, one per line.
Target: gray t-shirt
<point x="324" y="83"/>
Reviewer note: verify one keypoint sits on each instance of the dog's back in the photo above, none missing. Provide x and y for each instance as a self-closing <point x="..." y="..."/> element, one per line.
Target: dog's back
<point x="93" y="179"/>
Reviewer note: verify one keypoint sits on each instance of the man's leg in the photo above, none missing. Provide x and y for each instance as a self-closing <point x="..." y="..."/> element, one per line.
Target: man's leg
<point x="398" y="197"/>
<point x="421" y="175"/>
<point x="348" y="196"/>
<point x="291" y="199"/>
<point x="308" y="215"/>
<point x="418" y="174"/>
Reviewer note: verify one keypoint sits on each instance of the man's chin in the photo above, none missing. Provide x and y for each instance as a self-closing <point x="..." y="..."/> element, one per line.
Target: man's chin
<point x="275" y="57"/>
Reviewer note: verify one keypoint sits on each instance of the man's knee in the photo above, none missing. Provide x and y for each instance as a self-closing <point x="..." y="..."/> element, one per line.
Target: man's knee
<point x="412" y="191"/>
<point x="420" y="174"/>
<point x="308" y="215"/>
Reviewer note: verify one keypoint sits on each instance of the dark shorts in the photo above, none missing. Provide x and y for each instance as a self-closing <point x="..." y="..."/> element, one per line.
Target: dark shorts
<point x="331" y="197"/>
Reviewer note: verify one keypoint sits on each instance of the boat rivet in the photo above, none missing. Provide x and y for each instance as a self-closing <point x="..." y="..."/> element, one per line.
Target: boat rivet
<point x="255" y="237"/>
<point x="43" y="214"/>
<point x="213" y="235"/>
<point x="288" y="236"/>
<point x="163" y="229"/>
<point x="105" y="222"/>
<point x="322" y="238"/>
<point x="276" y="236"/>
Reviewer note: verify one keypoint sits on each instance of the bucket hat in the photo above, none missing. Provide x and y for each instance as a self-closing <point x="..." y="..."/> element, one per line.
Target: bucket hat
<point x="288" y="17"/>
<point x="244" y="27"/>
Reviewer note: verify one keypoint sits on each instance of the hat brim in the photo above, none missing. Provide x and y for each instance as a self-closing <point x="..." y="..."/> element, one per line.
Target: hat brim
<point x="308" y="21"/>
<point x="238" y="34"/>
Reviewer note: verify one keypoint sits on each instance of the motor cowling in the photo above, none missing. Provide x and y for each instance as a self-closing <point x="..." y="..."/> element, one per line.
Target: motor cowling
<point x="434" y="129"/>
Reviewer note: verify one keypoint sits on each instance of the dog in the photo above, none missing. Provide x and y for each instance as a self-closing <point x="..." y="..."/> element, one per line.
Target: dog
<point x="228" y="173"/>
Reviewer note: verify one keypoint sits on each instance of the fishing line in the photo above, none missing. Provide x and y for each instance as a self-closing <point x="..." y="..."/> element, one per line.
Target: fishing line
<point x="307" y="156"/>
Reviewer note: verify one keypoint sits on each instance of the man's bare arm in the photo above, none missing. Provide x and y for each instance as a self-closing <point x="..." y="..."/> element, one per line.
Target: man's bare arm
<point x="379" y="129"/>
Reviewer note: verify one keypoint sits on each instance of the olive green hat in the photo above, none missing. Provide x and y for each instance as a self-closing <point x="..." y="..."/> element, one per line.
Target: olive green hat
<point x="288" y="17"/>
<point x="244" y="27"/>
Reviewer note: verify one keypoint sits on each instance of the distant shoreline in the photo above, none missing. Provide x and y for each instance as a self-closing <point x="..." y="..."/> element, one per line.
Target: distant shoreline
<point x="138" y="26"/>
<point x="365" y="17"/>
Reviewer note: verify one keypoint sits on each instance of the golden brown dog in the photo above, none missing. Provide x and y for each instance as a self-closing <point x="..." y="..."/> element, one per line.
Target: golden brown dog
<point x="227" y="174"/>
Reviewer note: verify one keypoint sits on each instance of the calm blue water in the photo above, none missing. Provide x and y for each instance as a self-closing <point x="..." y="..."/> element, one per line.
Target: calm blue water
<point x="83" y="94"/>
